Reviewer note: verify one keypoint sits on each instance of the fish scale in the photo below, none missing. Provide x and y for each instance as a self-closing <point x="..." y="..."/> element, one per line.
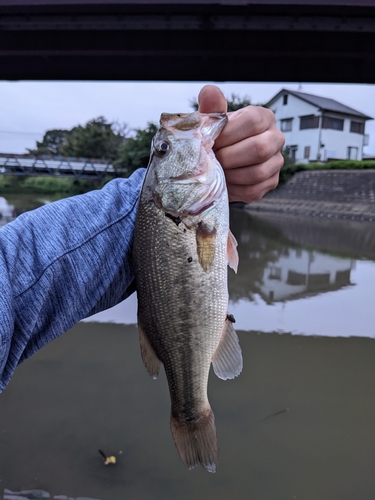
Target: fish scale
<point x="180" y="263"/>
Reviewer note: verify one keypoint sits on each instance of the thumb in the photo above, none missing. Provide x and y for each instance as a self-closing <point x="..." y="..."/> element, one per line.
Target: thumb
<point x="211" y="100"/>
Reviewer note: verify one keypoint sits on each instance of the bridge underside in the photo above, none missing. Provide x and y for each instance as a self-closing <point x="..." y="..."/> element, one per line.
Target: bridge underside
<point x="168" y="40"/>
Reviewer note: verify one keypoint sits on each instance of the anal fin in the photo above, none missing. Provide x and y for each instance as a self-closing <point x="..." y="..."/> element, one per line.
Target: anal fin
<point x="227" y="360"/>
<point x="149" y="358"/>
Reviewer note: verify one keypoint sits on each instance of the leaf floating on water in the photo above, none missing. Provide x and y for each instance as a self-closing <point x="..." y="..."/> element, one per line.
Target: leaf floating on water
<point x="110" y="460"/>
<point x="107" y="460"/>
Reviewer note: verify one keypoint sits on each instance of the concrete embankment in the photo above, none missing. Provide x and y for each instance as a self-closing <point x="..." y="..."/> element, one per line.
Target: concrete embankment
<point x="344" y="194"/>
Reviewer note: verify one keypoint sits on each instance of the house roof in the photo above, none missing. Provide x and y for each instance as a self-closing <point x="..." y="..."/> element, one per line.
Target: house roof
<point x="324" y="103"/>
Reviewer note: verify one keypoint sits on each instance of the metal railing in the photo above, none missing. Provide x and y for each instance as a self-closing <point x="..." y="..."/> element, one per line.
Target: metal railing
<point x="30" y="165"/>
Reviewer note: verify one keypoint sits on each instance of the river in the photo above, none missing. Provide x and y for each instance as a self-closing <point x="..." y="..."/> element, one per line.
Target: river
<point x="299" y="422"/>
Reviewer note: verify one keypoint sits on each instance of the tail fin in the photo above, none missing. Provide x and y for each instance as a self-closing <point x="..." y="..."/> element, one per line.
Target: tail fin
<point x="196" y="443"/>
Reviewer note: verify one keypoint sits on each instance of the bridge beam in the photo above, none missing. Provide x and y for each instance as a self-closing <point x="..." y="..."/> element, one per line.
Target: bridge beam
<point x="263" y="40"/>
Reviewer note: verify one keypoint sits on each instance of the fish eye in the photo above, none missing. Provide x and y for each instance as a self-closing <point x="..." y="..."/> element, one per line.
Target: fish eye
<point x="161" y="148"/>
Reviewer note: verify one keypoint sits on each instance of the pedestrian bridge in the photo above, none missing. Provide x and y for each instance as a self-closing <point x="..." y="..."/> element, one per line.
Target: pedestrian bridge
<point x="31" y="165"/>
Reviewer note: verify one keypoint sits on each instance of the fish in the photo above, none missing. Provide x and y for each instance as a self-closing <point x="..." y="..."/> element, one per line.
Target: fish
<point x="182" y="248"/>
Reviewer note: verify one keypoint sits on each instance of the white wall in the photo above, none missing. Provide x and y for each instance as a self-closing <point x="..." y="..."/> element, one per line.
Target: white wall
<point x="336" y="142"/>
<point x="308" y="137"/>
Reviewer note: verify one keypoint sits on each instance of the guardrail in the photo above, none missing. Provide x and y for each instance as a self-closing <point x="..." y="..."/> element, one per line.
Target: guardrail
<point x="30" y="165"/>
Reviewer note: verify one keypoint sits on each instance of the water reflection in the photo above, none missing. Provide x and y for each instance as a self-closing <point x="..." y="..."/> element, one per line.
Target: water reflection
<point x="275" y="267"/>
<point x="7" y="212"/>
<point x="14" y="205"/>
<point x="300" y="273"/>
<point x="304" y="276"/>
<point x="305" y="246"/>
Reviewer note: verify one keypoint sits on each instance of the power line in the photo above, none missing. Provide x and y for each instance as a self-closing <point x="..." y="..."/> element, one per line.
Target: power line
<point x="12" y="132"/>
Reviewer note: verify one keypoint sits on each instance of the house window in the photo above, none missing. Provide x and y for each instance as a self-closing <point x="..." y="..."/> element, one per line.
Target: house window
<point x="343" y="277"/>
<point x="333" y="123"/>
<point x="275" y="273"/>
<point x="295" y="278"/>
<point x="352" y="153"/>
<point x="285" y="100"/>
<point x="357" y="127"/>
<point x="309" y="121"/>
<point x="306" y="152"/>
<point x="291" y="151"/>
<point x="317" y="280"/>
<point x="286" y="125"/>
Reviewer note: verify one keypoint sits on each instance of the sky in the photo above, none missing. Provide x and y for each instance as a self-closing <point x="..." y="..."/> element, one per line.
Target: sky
<point x="29" y="108"/>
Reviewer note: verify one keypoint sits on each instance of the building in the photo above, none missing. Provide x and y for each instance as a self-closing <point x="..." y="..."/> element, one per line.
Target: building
<point x="317" y="128"/>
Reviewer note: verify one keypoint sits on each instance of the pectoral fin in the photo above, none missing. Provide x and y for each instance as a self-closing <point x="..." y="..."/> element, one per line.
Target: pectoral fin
<point x="149" y="358"/>
<point x="232" y="252"/>
<point x="206" y="245"/>
<point x="227" y="360"/>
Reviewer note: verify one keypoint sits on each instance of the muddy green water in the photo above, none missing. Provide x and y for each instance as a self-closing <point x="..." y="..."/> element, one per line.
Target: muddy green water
<point x="299" y="423"/>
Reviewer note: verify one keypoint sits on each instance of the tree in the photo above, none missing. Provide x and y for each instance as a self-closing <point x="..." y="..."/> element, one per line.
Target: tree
<point x="135" y="152"/>
<point x="235" y="102"/>
<point x="97" y="139"/>
<point x="52" y="144"/>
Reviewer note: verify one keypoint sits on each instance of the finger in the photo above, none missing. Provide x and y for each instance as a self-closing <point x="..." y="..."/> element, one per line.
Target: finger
<point x="251" y="151"/>
<point x="255" y="174"/>
<point x="249" y="194"/>
<point x="212" y="100"/>
<point x="246" y="122"/>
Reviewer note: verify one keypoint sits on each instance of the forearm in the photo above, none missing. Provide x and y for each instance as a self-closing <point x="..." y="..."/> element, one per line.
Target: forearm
<point x="61" y="263"/>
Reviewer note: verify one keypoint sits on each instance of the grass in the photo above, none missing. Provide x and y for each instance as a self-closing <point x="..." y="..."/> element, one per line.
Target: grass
<point x="289" y="169"/>
<point x="48" y="185"/>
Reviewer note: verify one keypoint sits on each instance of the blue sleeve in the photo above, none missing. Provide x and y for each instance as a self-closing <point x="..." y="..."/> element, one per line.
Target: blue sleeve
<point x="61" y="263"/>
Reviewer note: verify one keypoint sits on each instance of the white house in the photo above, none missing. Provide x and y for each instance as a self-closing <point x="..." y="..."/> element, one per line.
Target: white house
<point x="302" y="273"/>
<point x="317" y="128"/>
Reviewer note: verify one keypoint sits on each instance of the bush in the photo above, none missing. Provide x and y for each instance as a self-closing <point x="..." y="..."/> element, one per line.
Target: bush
<point x="48" y="185"/>
<point x="289" y="170"/>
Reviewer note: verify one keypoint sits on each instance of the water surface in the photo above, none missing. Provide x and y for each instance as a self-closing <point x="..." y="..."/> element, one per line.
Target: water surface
<point x="299" y="423"/>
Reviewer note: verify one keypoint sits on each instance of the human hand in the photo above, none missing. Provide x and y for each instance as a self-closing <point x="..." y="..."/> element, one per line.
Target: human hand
<point x="248" y="149"/>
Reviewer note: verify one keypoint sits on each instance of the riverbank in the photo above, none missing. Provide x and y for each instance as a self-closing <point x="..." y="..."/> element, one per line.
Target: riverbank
<point x="339" y="194"/>
<point x="48" y="185"/>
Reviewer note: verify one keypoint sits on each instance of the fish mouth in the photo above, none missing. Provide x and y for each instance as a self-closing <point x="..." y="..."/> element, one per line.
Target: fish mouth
<point x="205" y="126"/>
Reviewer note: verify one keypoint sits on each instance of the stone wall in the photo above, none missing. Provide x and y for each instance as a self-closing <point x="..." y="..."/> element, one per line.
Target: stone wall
<point x="344" y="194"/>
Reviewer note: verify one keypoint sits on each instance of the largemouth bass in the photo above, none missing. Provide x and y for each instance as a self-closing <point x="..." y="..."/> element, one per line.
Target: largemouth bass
<point x="182" y="248"/>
